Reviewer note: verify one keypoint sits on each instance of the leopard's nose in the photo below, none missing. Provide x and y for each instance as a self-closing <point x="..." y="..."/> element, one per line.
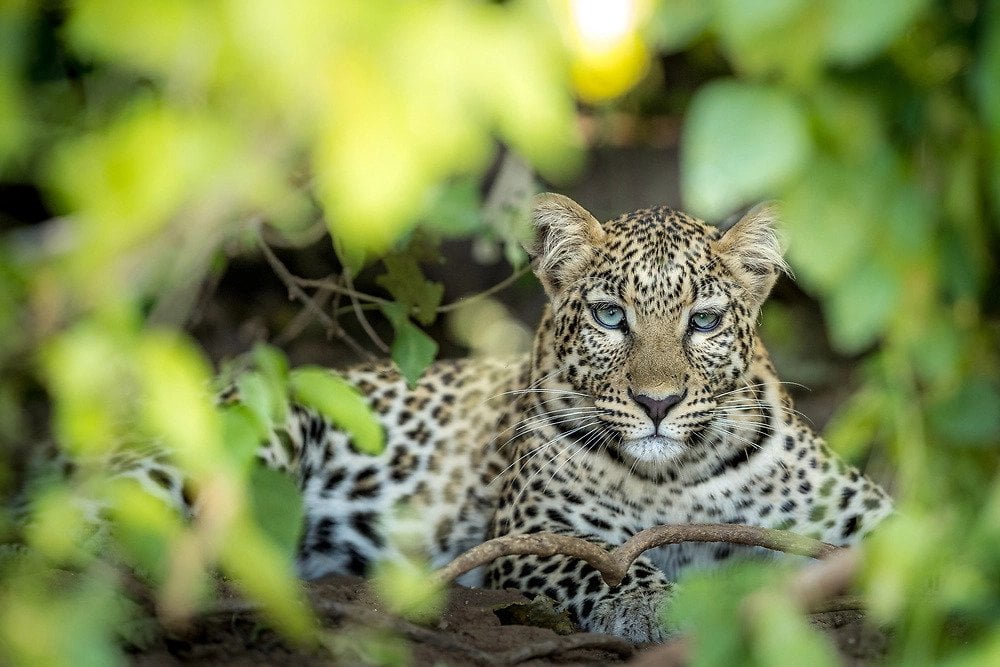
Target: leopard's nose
<point x="656" y="408"/>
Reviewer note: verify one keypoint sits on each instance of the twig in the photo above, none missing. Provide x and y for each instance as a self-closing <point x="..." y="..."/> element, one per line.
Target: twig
<point x="615" y="563"/>
<point x="360" y="315"/>
<point x="294" y="291"/>
<point x="303" y="318"/>
<point x="500" y="286"/>
<point x="333" y="286"/>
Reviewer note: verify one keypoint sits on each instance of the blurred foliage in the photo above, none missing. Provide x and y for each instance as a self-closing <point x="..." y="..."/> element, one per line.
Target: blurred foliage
<point x="161" y="131"/>
<point x="876" y="125"/>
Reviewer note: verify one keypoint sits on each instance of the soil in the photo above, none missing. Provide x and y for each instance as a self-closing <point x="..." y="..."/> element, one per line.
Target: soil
<point x="469" y="632"/>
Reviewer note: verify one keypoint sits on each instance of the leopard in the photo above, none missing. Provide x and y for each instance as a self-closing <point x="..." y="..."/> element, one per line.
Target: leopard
<point x="647" y="398"/>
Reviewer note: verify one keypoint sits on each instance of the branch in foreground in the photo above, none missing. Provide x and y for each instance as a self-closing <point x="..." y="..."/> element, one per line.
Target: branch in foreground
<point x="615" y="563"/>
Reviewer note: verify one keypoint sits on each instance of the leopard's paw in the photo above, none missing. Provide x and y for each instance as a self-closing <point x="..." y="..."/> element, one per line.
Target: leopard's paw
<point x="634" y="615"/>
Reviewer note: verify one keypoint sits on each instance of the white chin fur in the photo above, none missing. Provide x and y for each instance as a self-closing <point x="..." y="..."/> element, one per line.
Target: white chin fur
<point x="654" y="449"/>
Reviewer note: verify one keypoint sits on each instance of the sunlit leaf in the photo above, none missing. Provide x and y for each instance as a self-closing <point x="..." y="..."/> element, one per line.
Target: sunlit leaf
<point x="412" y="349"/>
<point x="338" y="401"/>
<point x="177" y="405"/>
<point x="783" y="638"/>
<point x="144" y="526"/>
<point x="265" y="574"/>
<point x="273" y="366"/>
<point x="741" y="142"/>
<point x="409" y="589"/>
<point x="57" y="527"/>
<point x="243" y="431"/>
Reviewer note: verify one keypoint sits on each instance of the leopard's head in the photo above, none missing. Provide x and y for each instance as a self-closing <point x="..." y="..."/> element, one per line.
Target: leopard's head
<point x="654" y="316"/>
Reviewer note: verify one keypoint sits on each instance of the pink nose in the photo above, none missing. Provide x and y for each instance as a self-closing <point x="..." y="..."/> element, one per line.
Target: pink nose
<point x="656" y="408"/>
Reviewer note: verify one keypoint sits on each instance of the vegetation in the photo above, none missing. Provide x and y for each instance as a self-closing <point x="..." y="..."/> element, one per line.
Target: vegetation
<point x="164" y="134"/>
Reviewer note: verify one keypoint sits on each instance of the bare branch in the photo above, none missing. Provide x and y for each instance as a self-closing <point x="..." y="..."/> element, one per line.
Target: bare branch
<point x="359" y="313"/>
<point x="615" y="563"/>
<point x="499" y="287"/>
<point x="333" y="327"/>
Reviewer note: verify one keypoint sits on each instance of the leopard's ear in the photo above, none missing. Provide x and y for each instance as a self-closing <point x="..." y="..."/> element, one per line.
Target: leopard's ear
<point x="752" y="250"/>
<point x="563" y="241"/>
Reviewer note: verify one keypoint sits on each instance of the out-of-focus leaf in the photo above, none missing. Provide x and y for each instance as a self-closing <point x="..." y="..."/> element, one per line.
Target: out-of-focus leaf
<point x="772" y="36"/>
<point x="265" y="574"/>
<point x="255" y="396"/>
<point x="677" y="22"/>
<point x="412" y="349"/>
<point x="409" y="589"/>
<point x="85" y="370"/>
<point x="899" y="556"/>
<point x="76" y="625"/>
<point x="57" y="526"/>
<point x="14" y="116"/>
<point x="454" y="211"/>
<point x="273" y="366"/>
<point x="144" y="526"/>
<point x="856" y="423"/>
<point x="831" y="215"/>
<point x="177" y="405"/>
<point x="243" y="431"/>
<point x="861" y="305"/>
<point x="708" y="603"/>
<point x="276" y="503"/>
<point x="407" y="284"/>
<point x="783" y="638"/>
<point x="971" y="416"/>
<point x="338" y="401"/>
<point x="857" y="29"/>
<point x="741" y="142"/>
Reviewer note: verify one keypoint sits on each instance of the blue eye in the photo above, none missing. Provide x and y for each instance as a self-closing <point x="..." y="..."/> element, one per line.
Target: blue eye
<point x="705" y="320"/>
<point x="609" y="316"/>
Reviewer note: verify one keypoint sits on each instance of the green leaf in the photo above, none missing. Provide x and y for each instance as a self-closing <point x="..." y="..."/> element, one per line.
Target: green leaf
<point x="831" y="214"/>
<point x="273" y="366"/>
<point x="856" y="423"/>
<point x="334" y="398"/>
<point x="708" y="605"/>
<point x="971" y="416"/>
<point x="741" y="142"/>
<point x="771" y="37"/>
<point x="409" y="589"/>
<point x="412" y="349"/>
<point x="276" y="504"/>
<point x="859" y="29"/>
<point x="266" y="574"/>
<point x="678" y="22"/>
<point x="254" y="395"/>
<point x="783" y="638"/>
<point x="243" y="431"/>
<point x="407" y="284"/>
<point x="455" y="208"/>
<point x="861" y="306"/>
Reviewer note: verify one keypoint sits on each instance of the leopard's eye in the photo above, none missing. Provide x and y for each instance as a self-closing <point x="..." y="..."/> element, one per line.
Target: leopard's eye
<point x="705" y="320"/>
<point x="609" y="316"/>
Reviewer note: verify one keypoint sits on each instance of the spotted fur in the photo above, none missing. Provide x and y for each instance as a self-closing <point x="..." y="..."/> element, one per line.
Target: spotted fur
<point x="565" y="440"/>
